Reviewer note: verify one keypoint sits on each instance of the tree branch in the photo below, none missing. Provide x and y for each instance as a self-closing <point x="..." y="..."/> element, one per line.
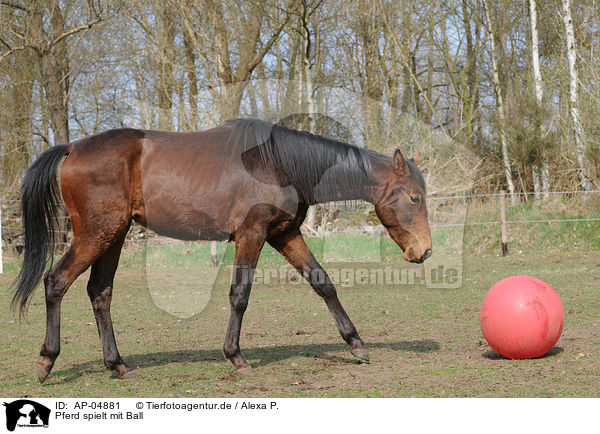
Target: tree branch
<point x="13" y="5"/>
<point x="72" y="32"/>
<point x="223" y="62"/>
<point x="12" y="50"/>
<point x="415" y="79"/>
<point x="265" y="49"/>
<point x="56" y="40"/>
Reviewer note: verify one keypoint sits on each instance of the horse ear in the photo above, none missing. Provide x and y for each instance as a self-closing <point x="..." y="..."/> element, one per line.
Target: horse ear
<point x="416" y="160"/>
<point x="400" y="165"/>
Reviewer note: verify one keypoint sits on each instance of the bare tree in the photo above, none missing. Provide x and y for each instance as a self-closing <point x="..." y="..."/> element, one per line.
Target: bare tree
<point x="307" y="29"/>
<point x="51" y="50"/>
<point x="499" y="104"/>
<point x="578" y="134"/>
<point x="16" y="123"/>
<point x="166" y="81"/>
<point x="370" y="27"/>
<point x="425" y="63"/>
<point x="191" y="71"/>
<point x="463" y="72"/>
<point x="544" y="173"/>
<point x="234" y="78"/>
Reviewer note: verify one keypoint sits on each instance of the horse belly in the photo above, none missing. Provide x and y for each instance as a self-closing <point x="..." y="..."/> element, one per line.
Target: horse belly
<point x="176" y="213"/>
<point x="195" y="226"/>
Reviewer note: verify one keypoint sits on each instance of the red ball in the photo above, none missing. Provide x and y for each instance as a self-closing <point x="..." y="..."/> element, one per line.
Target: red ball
<point x="522" y="317"/>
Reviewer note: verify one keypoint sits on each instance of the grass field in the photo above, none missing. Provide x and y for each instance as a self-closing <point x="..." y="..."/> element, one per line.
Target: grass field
<point x="423" y="342"/>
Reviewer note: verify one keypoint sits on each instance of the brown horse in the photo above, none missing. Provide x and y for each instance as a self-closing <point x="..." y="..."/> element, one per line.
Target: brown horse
<point x="246" y="181"/>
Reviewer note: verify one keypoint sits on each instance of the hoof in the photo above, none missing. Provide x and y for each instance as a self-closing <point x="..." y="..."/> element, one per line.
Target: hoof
<point x="41" y="371"/>
<point x="129" y="375"/>
<point x="245" y="370"/>
<point x="361" y="353"/>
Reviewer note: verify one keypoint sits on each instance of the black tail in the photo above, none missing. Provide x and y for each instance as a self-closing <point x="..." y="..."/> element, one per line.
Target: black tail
<point x="40" y="195"/>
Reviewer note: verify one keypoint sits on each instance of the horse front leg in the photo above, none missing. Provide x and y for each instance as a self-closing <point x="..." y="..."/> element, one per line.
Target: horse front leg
<point x="297" y="253"/>
<point x="247" y="251"/>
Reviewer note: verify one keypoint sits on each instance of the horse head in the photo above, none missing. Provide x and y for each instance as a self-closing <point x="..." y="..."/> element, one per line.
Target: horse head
<point x="400" y="204"/>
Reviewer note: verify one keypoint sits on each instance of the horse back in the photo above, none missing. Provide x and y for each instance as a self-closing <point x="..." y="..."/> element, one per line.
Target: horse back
<point x="182" y="185"/>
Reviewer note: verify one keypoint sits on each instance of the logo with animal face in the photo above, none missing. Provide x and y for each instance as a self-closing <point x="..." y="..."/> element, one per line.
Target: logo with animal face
<point x="26" y="413"/>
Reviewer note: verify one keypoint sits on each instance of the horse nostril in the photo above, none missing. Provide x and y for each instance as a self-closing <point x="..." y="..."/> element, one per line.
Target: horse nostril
<point x="426" y="254"/>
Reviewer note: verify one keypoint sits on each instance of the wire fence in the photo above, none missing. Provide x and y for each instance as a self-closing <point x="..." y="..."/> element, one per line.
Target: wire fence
<point x="463" y="196"/>
<point x="527" y="193"/>
<point x="15" y="231"/>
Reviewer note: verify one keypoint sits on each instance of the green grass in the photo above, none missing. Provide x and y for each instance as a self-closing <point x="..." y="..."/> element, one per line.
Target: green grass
<point x="551" y="237"/>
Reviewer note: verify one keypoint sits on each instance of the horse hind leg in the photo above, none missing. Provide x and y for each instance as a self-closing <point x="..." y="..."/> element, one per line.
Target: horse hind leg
<point x="99" y="290"/>
<point x="295" y="250"/>
<point x="57" y="281"/>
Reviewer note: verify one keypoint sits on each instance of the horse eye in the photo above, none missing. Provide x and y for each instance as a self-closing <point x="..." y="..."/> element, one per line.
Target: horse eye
<point x="415" y="199"/>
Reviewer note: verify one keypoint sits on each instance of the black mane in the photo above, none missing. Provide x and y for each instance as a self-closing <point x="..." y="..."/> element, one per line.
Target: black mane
<point x="320" y="169"/>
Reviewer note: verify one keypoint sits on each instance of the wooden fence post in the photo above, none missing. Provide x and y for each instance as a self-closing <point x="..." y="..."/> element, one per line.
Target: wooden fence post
<point x="503" y="222"/>
<point x="214" y="260"/>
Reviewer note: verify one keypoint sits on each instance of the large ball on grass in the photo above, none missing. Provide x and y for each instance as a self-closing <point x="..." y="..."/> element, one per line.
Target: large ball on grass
<point x="522" y="317"/>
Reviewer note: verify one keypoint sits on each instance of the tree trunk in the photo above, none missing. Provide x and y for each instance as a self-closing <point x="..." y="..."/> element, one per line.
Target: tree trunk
<point x="54" y="67"/>
<point x="537" y="77"/>
<point x="291" y="101"/>
<point x="535" y="54"/>
<point x="473" y="74"/>
<point x="234" y="81"/>
<point x="17" y="120"/>
<point x="408" y="81"/>
<point x="190" y="66"/>
<point x="54" y="72"/>
<point x="500" y="106"/>
<point x="585" y="182"/>
<point x="535" y="174"/>
<point x="370" y="33"/>
<point x="165" y="65"/>
<point x="430" y="65"/>
<point x="308" y="74"/>
<point x="545" y="180"/>
<point x="470" y="74"/>
<point x="308" y="83"/>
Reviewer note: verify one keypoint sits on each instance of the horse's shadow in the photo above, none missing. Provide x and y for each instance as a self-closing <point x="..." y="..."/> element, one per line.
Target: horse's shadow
<point x="260" y="356"/>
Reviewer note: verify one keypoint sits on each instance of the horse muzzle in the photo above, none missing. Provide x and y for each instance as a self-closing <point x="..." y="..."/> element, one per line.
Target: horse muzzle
<point x="410" y="256"/>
